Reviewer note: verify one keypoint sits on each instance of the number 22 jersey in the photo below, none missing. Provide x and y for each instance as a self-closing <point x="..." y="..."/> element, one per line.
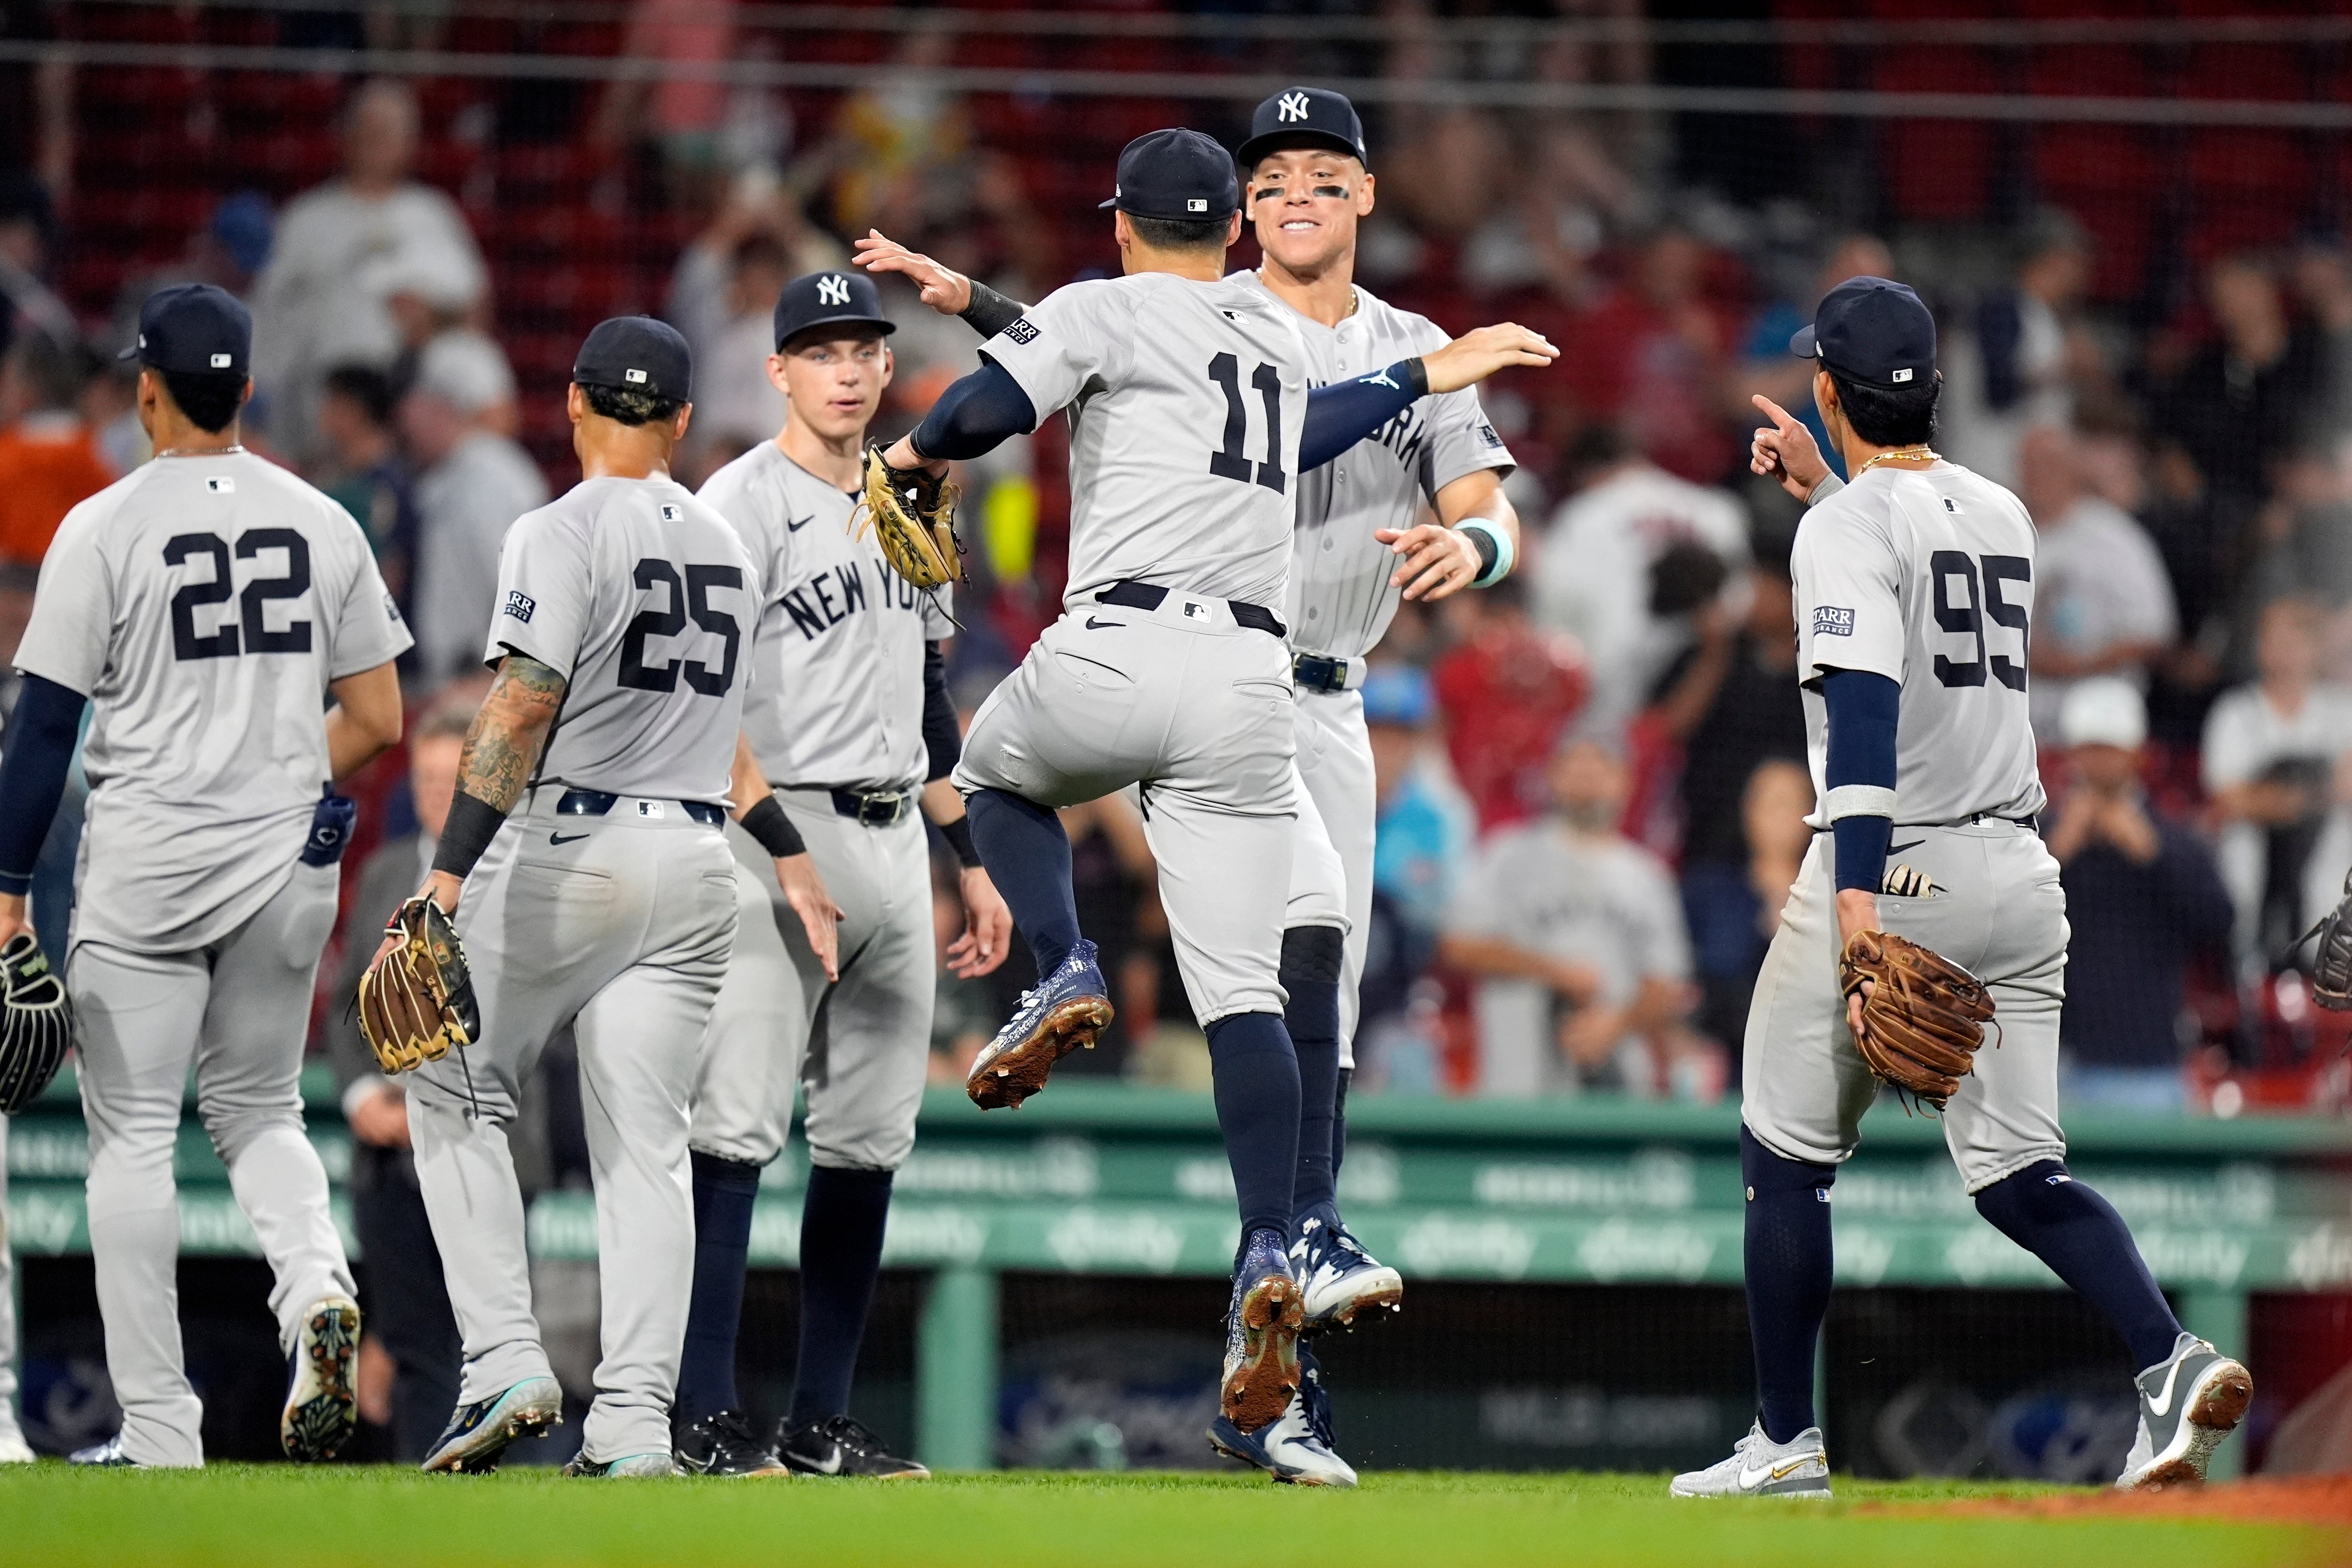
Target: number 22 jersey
<point x="1926" y="576"/>
<point x="204" y="603"/>
<point x="1186" y="399"/>
<point x="642" y="599"/>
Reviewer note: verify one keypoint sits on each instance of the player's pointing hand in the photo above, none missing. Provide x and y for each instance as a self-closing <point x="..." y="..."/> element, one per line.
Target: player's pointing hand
<point x="1474" y="356"/>
<point x="944" y="288"/>
<point x="1787" y="451"/>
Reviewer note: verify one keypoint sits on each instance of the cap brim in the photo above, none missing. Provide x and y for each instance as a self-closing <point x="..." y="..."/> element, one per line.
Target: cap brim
<point x="1105" y="207"/>
<point x="1801" y="345"/>
<point x="126" y="355"/>
<point x="805" y="328"/>
<point x="1257" y="147"/>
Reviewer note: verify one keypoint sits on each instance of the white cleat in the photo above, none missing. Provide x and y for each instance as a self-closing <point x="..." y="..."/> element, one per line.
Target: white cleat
<point x="1341" y="1279"/>
<point x="2188" y="1402"/>
<point x="1289" y="1449"/>
<point x="13" y="1449"/>
<point x="1758" y="1467"/>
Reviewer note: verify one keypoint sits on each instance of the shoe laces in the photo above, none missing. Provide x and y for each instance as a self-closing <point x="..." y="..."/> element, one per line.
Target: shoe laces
<point x="851" y="1434"/>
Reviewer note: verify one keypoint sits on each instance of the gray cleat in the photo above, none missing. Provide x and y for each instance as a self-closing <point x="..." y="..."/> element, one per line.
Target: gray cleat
<point x="2188" y="1403"/>
<point x="1758" y="1467"/>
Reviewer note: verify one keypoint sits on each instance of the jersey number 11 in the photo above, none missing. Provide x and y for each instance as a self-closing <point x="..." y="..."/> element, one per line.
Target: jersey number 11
<point x="1229" y="464"/>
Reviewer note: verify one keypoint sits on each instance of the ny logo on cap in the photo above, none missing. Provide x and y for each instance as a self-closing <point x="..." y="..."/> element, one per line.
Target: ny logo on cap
<point x="221" y="361"/>
<point x="1196" y="204"/>
<point x="1292" y="107"/>
<point x="833" y="289"/>
<point x="635" y="377"/>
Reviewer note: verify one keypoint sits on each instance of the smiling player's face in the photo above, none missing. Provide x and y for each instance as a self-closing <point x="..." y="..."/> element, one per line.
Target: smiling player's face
<point x="1304" y="202"/>
<point x="833" y="385"/>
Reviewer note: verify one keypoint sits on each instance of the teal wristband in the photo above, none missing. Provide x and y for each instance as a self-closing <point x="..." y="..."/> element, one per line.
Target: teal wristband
<point x="1504" y="556"/>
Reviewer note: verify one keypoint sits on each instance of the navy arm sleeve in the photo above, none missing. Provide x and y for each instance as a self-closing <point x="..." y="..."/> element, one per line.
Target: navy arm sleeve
<point x="942" y="736"/>
<point x="1344" y="413"/>
<point x="975" y="416"/>
<point x="40" y="745"/>
<point x="1863" y="709"/>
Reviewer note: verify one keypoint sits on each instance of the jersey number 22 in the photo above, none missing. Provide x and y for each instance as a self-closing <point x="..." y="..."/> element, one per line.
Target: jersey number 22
<point x="253" y="604"/>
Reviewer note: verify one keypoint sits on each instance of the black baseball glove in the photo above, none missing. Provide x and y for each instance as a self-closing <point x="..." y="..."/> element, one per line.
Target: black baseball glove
<point x="2331" y="970"/>
<point x="37" y="1022"/>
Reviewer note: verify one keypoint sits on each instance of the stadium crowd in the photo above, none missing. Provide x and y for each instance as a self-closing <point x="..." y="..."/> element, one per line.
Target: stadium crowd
<point x="1592" y="778"/>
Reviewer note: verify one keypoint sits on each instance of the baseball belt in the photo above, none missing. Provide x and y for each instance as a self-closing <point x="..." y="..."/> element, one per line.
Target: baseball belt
<point x="873" y="810"/>
<point x="597" y="802"/>
<point x="1135" y="595"/>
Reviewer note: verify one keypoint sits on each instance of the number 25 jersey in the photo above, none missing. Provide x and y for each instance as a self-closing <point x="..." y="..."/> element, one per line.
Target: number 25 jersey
<point x="204" y="603"/>
<point x="1926" y="576"/>
<point x="641" y="598"/>
<point x="1185" y="402"/>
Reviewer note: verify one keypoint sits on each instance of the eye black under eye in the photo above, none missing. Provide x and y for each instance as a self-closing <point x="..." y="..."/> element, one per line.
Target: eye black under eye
<point x="1333" y="192"/>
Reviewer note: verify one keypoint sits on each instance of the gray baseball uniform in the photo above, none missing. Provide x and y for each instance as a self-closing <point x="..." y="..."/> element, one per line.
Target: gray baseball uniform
<point x="1926" y="578"/>
<point x="1185" y="403"/>
<point x="1341" y="600"/>
<point x="838" y="706"/>
<point x="607" y="901"/>
<point x="205" y="604"/>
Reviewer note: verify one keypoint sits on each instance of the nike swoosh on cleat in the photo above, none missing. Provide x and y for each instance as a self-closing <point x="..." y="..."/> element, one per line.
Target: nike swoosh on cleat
<point x="832" y="1466"/>
<point x="1751" y="1479"/>
<point x="565" y="839"/>
<point x="2172" y="1376"/>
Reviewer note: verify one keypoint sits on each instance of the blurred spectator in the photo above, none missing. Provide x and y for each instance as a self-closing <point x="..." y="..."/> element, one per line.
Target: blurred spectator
<point x="1659" y="346"/>
<point x="340" y="252"/>
<point x="2249" y="393"/>
<point x="228" y="252"/>
<point x="1576" y="936"/>
<point x="362" y="469"/>
<point x="1625" y="563"/>
<point x="895" y="149"/>
<point x="706" y="289"/>
<point x="408" y="1304"/>
<point x="1732" y="703"/>
<point x="110" y="408"/>
<point x="683" y="115"/>
<point x="1422" y="825"/>
<point x="736" y="406"/>
<point x="471" y="484"/>
<point x="2302" y="534"/>
<point x="1775" y="372"/>
<point x="2102" y="603"/>
<point x="2014" y="367"/>
<point x="2143" y="896"/>
<point x="2274" y="764"/>
<point x="2323" y="283"/>
<point x="1506" y="692"/>
<point x="48" y="460"/>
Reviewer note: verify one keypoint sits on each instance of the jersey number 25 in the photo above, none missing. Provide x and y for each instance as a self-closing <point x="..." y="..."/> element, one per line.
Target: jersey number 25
<point x="689" y="599"/>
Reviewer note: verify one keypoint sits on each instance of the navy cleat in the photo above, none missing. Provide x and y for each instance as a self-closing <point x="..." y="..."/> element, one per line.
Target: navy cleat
<point x="106" y="1456"/>
<point x="725" y="1445"/>
<point x="1296" y="1450"/>
<point x="1068" y="1009"/>
<point x="1339" y="1278"/>
<point x="1260" y="1336"/>
<point x="323" y="1404"/>
<point x="478" y="1432"/>
<point x="840" y="1446"/>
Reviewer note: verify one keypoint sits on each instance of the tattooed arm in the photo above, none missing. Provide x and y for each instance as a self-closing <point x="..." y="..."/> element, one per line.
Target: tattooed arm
<point x="502" y="749"/>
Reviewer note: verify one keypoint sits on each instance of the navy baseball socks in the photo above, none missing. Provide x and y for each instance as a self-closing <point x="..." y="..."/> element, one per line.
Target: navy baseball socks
<point x="1789" y="1265"/>
<point x="2085" y="1243"/>
<point x="723" y="1195"/>
<point x="1028" y="858"/>
<point x="1310" y="975"/>
<point x="842" y="1222"/>
<point x="1255" y="1080"/>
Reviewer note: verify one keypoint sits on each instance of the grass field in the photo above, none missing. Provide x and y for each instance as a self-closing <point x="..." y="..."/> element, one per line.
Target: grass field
<point x="261" y="1516"/>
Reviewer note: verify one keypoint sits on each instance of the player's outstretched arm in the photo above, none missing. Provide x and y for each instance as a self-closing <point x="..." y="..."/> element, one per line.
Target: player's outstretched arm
<point x="942" y="287"/>
<point x="364" y="722"/>
<point x="1442" y="558"/>
<point x="764" y="819"/>
<point x="1476" y="355"/>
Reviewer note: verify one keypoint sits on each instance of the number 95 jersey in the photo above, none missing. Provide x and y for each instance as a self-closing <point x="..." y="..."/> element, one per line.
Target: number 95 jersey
<point x="639" y="595"/>
<point x="1926" y="576"/>
<point x="204" y="603"/>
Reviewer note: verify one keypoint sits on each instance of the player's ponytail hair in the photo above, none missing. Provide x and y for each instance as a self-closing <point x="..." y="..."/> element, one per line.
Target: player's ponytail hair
<point x="630" y="406"/>
<point x="210" y="402"/>
<point x="1890" y="416"/>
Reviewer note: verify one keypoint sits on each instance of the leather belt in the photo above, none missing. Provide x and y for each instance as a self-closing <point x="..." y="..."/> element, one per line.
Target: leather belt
<point x="597" y="803"/>
<point x="873" y="810"/>
<point x="1318" y="673"/>
<point x="1137" y="595"/>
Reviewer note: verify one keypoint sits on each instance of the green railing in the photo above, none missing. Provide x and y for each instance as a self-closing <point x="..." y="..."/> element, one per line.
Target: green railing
<point x="1103" y="1179"/>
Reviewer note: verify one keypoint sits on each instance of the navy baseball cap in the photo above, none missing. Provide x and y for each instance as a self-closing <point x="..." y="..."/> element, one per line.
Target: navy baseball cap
<point x="194" y="329"/>
<point x="828" y="299"/>
<point x="1872" y="330"/>
<point x="637" y="353"/>
<point x="1180" y="175"/>
<point x="1304" y="117"/>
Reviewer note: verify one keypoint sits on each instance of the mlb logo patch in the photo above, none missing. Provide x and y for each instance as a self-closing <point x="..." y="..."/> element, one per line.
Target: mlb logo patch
<point x="1951" y="506"/>
<point x="1196" y="204"/>
<point x="672" y="513"/>
<point x="392" y="609"/>
<point x="221" y="485"/>
<point x="520" y="604"/>
<point x="1829" y="621"/>
<point x="1195" y="611"/>
<point x="1022" y="332"/>
<point x="652" y="808"/>
<point x="222" y="362"/>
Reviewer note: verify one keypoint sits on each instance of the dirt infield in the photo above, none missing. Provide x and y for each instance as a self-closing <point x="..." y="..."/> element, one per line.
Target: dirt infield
<point x="2286" y="1500"/>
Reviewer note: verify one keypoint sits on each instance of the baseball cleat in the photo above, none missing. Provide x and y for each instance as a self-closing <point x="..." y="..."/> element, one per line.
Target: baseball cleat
<point x="2187" y="1404"/>
<point x="725" y="1444"/>
<point x="1067" y="1009"/>
<point x="321" y="1397"/>
<point x="1260" y="1336"/>
<point x="1338" y="1277"/>
<point x="629" y="1467"/>
<point x="13" y="1449"/>
<point x="1758" y="1467"/>
<point x="478" y="1432"/>
<point x="106" y="1456"/>
<point x="840" y="1446"/>
<point x="1298" y="1448"/>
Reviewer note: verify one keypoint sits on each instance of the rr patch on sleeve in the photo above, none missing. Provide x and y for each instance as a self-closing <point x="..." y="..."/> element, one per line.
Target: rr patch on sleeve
<point x="1022" y="332"/>
<point x="520" y="604"/>
<point x="1829" y="621"/>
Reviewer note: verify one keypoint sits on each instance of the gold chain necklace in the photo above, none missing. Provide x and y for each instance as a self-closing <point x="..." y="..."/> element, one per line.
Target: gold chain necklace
<point x="198" y="452"/>
<point x="1906" y="455"/>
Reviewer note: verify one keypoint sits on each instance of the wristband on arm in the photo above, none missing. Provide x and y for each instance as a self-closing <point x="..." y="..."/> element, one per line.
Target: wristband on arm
<point x="472" y="824"/>
<point x="959" y="836"/>
<point x="1496" y="557"/>
<point x="990" y="312"/>
<point x="772" y="829"/>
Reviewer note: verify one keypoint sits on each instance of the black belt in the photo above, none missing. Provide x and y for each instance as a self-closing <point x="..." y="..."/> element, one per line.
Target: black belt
<point x="873" y="810"/>
<point x="597" y="802"/>
<point x="1319" y="674"/>
<point x="1137" y="595"/>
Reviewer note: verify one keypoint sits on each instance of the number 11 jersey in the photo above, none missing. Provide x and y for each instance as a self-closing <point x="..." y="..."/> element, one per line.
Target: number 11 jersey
<point x="204" y="603"/>
<point x="1926" y="576"/>
<point x="1185" y="401"/>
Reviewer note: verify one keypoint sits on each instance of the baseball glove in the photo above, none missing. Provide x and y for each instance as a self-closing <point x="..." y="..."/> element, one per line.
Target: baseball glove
<point x="1925" y="1015"/>
<point x="911" y="515"/>
<point x="37" y="1022"/>
<point x="2331" y="968"/>
<point x="417" y="999"/>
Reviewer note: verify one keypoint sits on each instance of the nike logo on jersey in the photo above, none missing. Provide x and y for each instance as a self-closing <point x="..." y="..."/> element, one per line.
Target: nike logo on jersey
<point x="1095" y="626"/>
<point x="1898" y="848"/>
<point x="565" y="837"/>
<point x="796" y="526"/>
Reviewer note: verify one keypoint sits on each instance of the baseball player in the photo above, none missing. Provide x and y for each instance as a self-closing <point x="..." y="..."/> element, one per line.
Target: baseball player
<point x="208" y="605"/>
<point x="597" y="890"/>
<point x="1915" y="591"/>
<point x="1190" y="422"/>
<point x="1356" y="517"/>
<point x="851" y="727"/>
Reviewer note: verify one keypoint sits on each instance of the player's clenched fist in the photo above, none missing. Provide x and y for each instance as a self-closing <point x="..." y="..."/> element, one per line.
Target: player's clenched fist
<point x="1476" y="355"/>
